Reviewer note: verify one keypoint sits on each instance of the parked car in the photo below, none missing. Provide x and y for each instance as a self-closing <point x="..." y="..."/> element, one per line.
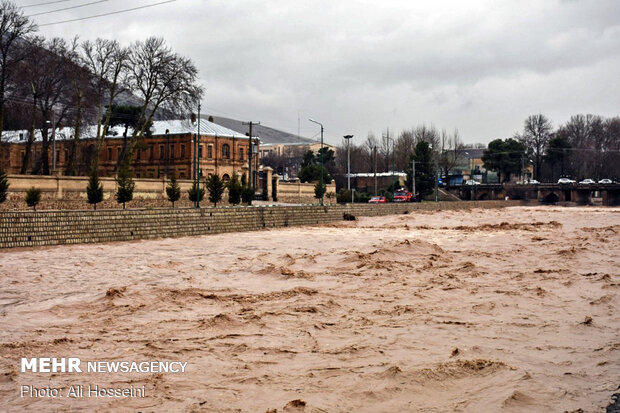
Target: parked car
<point x="533" y="182"/>
<point x="377" y="200"/>
<point x="587" y="181"/>
<point x="565" y="181"/>
<point x="402" y="196"/>
<point x="472" y="182"/>
<point x="605" y="181"/>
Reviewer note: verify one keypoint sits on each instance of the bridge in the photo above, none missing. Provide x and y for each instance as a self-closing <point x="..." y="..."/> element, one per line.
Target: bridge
<point x="581" y="194"/>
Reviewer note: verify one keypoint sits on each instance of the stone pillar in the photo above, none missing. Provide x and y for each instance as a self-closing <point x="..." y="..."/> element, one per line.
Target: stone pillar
<point x="267" y="174"/>
<point x="276" y="186"/>
<point x="298" y="183"/>
<point x="59" y="193"/>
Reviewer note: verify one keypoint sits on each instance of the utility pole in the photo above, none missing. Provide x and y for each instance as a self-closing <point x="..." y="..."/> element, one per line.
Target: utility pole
<point x="375" y="169"/>
<point x="321" y="150"/>
<point x="167" y="154"/>
<point x="436" y="179"/>
<point x="198" y="162"/>
<point x="54" y="141"/>
<point x="393" y="164"/>
<point x="250" y="153"/>
<point x="413" y="176"/>
<point x="348" y="138"/>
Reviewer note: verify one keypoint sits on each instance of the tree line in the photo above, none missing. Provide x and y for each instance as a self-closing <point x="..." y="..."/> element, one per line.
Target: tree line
<point x="586" y="146"/>
<point x="49" y="83"/>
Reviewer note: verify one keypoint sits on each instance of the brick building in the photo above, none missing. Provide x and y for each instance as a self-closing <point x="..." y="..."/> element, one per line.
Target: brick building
<point x="168" y="151"/>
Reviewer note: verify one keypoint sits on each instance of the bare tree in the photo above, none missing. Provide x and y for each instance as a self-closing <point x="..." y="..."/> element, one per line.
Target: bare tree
<point x="163" y="79"/>
<point x="451" y="151"/>
<point x="405" y="146"/>
<point x="107" y="61"/>
<point x="14" y="31"/>
<point x="370" y="153"/>
<point x="593" y="142"/>
<point x="50" y="84"/>
<point x="427" y="134"/>
<point x="386" y="149"/>
<point x="536" y="134"/>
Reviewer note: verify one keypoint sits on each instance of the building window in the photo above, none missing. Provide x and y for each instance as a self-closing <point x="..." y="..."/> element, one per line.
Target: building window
<point x="240" y="154"/>
<point x="109" y="154"/>
<point x="162" y="154"/>
<point x="138" y="155"/>
<point x="66" y="155"/>
<point x="225" y="178"/>
<point x="210" y="151"/>
<point x="183" y="151"/>
<point x="171" y="151"/>
<point x="118" y="152"/>
<point x="225" y="151"/>
<point x="199" y="151"/>
<point x="182" y="175"/>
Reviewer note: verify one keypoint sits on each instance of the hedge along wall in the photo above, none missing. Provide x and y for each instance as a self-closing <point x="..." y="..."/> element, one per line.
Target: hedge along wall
<point x="28" y="229"/>
<point x="69" y="192"/>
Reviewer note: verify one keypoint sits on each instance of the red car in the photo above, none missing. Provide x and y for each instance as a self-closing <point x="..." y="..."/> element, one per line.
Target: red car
<point x="378" y="200"/>
<point x="403" y="196"/>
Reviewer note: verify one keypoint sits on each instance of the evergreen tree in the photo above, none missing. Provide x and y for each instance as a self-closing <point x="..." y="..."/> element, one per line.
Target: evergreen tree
<point x="312" y="173"/>
<point x="504" y="157"/>
<point x="94" y="189"/>
<point x="247" y="194"/>
<point x="234" y="190"/>
<point x="192" y="192"/>
<point x="33" y="197"/>
<point x="4" y="185"/>
<point x="424" y="170"/>
<point x="125" y="185"/>
<point x="319" y="190"/>
<point x="173" y="190"/>
<point x="216" y="187"/>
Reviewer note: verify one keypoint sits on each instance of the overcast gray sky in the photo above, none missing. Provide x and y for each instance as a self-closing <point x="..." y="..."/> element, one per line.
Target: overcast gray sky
<point x="479" y="66"/>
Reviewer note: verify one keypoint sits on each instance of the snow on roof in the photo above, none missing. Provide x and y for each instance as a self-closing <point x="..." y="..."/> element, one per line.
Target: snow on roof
<point x="178" y="126"/>
<point x="379" y="174"/>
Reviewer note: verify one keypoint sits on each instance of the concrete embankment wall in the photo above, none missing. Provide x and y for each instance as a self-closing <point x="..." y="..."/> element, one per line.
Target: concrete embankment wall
<point x="28" y="229"/>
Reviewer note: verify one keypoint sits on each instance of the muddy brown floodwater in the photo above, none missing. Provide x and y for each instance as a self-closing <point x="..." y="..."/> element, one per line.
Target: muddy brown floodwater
<point x="509" y="310"/>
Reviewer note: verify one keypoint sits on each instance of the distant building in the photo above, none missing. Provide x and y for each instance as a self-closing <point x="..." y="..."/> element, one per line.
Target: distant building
<point x="367" y="182"/>
<point x="283" y="151"/>
<point x="168" y="151"/>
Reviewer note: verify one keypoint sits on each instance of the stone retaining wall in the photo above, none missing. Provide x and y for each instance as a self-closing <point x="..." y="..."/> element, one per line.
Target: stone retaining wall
<point x="28" y="229"/>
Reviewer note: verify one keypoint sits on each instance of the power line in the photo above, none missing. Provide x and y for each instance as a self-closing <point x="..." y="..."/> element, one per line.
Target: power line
<point x="44" y="4"/>
<point x="108" y="14"/>
<point x="67" y="8"/>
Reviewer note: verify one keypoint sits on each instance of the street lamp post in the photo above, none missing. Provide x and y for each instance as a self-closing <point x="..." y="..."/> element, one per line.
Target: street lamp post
<point x="393" y="162"/>
<point x="348" y="138"/>
<point x="321" y="150"/>
<point x="436" y="175"/>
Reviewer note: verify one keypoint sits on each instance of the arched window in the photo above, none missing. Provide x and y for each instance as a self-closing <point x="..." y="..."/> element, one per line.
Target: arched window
<point x="225" y="178"/>
<point x="226" y="151"/>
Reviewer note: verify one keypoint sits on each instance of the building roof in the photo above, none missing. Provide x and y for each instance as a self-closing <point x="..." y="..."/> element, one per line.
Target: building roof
<point x="177" y="126"/>
<point x="379" y="174"/>
<point x="473" y="153"/>
<point x="265" y="133"/>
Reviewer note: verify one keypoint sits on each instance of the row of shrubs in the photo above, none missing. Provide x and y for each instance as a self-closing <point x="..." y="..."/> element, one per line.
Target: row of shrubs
<point x="237" y="193"/>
